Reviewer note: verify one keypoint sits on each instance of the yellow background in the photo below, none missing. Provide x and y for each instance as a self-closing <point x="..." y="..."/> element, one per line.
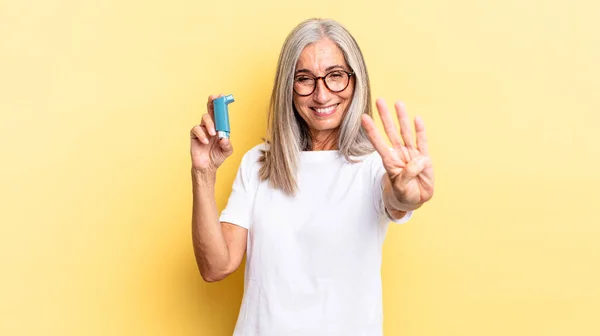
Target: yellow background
<point x="97" y="99"/>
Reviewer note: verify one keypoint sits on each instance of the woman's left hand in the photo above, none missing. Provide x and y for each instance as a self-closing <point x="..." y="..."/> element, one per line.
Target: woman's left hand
<point x="407" y="163"/>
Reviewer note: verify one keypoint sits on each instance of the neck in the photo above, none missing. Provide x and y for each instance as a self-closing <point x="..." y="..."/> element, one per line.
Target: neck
<point x="327" y="140"/>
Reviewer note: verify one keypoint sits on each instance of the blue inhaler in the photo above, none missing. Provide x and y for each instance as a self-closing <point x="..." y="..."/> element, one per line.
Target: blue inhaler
<point x="222" y="115"/>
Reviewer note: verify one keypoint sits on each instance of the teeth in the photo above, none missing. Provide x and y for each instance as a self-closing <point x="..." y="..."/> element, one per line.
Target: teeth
<point x="325" y="110"/>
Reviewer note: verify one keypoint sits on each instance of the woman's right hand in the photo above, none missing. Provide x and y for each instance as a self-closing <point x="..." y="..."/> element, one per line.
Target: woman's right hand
<point x="207" y="150"/>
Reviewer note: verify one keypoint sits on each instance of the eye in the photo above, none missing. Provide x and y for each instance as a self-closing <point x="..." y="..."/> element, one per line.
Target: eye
<point x="303" y="79"/>
<point x="337" y="74"/>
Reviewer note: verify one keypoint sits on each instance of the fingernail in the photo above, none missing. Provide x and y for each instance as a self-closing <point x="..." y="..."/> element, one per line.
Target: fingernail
<point x="205" y="141"/>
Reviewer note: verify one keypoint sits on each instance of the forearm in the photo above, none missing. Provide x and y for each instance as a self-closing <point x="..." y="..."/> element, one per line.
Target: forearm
<point x="210" y="246"/>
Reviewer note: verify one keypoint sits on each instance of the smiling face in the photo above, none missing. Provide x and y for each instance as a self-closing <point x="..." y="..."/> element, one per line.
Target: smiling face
<point x="323" y="110"/>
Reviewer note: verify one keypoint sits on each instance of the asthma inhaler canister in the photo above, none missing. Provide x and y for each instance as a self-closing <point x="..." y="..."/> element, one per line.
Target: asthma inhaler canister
<point x="222" y="115"/>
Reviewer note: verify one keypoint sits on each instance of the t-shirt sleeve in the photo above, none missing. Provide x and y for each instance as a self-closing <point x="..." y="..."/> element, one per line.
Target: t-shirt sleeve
<point x="377" y="173"/>
<point x="239" y="205"/>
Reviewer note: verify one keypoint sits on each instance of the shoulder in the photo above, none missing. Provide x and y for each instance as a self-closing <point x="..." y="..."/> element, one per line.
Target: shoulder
<point x="251" y="160"/>
<point x="368" y="159"/>
<point x="254" y="154"/>
<point x="372" y="165"/>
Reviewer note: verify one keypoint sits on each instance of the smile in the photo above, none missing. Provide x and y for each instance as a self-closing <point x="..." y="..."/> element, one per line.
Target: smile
<point x="323" y="111"/>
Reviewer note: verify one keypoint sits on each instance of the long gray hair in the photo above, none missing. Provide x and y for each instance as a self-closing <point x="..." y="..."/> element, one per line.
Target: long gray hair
<point x="287" y="133"/>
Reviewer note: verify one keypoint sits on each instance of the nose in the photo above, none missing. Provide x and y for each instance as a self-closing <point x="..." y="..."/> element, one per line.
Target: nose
<point x="322" y="93"/>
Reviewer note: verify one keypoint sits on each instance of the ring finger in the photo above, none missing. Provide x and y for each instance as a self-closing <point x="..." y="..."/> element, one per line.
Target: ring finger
<point x="200" y="132"/>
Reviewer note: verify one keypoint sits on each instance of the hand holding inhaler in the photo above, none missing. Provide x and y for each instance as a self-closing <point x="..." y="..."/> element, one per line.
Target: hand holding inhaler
<point x="210" y="144"/>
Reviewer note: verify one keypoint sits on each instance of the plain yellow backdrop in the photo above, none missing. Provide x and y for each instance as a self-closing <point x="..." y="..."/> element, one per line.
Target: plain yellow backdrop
<point x="97" y="99"/>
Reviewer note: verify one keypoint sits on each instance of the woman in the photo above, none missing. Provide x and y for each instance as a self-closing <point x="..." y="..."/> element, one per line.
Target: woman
<point x="310" y="206"/>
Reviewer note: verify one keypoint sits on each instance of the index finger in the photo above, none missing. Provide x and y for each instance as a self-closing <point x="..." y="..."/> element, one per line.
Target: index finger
<point x="209" y="105"/>
<point x="374" y="136"/>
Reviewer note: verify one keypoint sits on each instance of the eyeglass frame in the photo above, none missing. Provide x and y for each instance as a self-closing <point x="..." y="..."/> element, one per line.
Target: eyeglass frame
<point x="316" y="79"/>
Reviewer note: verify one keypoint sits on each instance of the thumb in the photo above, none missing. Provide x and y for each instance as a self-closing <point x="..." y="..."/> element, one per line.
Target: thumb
<point x="225" y="145"/>
<point x="412" y="169"/>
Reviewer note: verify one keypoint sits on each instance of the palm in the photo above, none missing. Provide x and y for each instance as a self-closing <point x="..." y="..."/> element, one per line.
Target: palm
<point x="209" y="156"/>
<point x="408" y="166"/>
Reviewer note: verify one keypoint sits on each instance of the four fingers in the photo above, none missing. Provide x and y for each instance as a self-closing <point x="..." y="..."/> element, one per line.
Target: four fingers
<point x="418" y="165"/>
<point x="406" y="147"/>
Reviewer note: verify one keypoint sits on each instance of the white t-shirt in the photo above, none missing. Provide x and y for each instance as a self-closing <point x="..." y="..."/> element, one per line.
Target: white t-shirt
<point x="313" y="262"/>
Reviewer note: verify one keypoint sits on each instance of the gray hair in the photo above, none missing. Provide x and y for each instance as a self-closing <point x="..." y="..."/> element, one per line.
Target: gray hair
<point x="287" y="133"/>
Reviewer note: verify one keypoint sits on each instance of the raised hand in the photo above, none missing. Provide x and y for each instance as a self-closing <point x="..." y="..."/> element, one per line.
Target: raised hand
<point x="207" y="150"/>
<point x="407" y="163"/>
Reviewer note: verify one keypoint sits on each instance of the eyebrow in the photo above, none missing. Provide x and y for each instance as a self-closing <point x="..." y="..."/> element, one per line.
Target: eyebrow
<point x="326" y="70"/>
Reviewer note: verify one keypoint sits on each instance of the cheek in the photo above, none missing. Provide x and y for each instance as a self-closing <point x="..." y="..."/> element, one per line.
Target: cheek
<point x="347" y="97"/>
<point x="348" y="93"/>
<point x="300" y="104"/>
<point x="300" y="107"/>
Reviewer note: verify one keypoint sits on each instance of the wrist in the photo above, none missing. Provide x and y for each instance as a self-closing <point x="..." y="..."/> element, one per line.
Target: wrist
<point x="204" y="177"/>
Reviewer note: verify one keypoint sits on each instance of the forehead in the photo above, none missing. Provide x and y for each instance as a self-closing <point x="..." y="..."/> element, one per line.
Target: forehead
<point x="320" y="55"/>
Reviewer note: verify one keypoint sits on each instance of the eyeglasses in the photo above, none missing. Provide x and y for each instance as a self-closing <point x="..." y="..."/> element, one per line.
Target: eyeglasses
<point x="335" y="81"/>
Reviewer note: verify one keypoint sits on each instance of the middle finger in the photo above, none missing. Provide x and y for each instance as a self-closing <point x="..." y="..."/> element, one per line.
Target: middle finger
<point x="388" y="124"/>
<point x="404" y="125"/>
